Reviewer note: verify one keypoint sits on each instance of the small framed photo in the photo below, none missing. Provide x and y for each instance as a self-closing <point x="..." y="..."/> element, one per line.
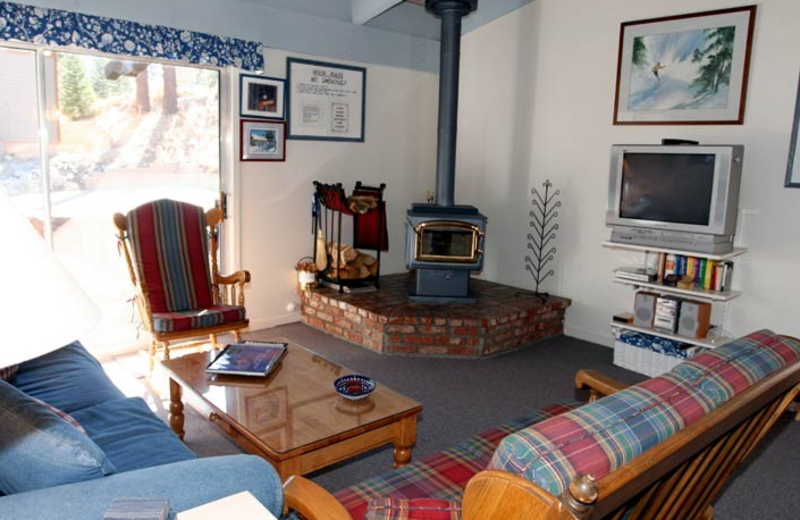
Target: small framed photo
<point x="262" y="97"/>
<point x="262" y="140"/>
<point x="686" y="69"/>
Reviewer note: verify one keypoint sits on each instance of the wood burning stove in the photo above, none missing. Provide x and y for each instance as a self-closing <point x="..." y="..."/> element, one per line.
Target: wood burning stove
<point x="444" y="245"/>
<point x="444" y="241"/>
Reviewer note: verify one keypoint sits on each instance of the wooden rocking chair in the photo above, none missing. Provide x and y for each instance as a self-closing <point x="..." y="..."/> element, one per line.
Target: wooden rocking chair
<point x="171" y="251"/>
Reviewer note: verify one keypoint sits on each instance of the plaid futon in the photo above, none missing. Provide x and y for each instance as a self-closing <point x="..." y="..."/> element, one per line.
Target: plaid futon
<point x="600" y="437"/>
<point x="442" y="475"/>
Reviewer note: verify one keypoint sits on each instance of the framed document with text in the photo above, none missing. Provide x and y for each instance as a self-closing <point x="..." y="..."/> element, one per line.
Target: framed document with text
<point x="327" y="101"/>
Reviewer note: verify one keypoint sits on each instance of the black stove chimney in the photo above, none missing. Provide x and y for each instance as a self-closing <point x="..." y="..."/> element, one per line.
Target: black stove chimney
<point x="451" y="12"/>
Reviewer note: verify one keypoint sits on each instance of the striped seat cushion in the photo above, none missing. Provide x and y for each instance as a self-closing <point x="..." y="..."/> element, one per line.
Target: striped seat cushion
<point x="442" y="475"/>
<point x="170" y="251"/>
<point x="600" y="437"/>
<point x="197" y="319"/>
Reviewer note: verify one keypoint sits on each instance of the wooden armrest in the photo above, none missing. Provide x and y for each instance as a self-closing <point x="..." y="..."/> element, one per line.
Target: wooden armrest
<point x="237" y="277"/>
<point x="311" y="501"/>
<point x="598" y="383"/>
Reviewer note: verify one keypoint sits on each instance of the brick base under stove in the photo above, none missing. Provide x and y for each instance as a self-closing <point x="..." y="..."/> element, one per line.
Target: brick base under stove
<point x="387" y="322"/>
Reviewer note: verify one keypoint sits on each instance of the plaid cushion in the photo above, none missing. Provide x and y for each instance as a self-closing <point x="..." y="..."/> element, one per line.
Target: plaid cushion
<point x="442" y="475"/>
<point x="61" y="413"/>
<point x="170" y="252"/>
<point x="197" y="319"/>
<point x="416" y="509"/>
<point x="600" y="437"/>
<point x="8" y="373"/>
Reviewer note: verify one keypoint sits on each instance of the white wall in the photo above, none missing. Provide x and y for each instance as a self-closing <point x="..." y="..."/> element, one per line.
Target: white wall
<point x="537" y="102"/>
<point x="276" y="197"/>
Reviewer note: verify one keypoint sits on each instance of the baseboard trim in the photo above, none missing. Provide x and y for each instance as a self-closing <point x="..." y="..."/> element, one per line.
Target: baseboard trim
<point x="273" y="321"/>
<point x="593" y="337"/>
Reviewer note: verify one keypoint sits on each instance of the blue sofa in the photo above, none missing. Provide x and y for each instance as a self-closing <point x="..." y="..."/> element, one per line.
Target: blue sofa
<point x="148" y="460"/>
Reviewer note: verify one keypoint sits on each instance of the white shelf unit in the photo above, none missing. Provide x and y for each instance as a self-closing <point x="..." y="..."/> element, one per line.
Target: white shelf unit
<point x="698" y="294"/>
<point x="737" y="251"/>
<point x="704" y="342"/>
<point x="721" y="297"/>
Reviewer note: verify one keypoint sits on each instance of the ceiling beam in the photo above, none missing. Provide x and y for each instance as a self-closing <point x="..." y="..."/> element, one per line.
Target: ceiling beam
<point x="365" y="10"/>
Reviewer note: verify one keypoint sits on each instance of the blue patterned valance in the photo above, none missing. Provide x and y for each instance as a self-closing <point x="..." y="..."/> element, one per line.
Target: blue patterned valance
<point x="64" y="28"/>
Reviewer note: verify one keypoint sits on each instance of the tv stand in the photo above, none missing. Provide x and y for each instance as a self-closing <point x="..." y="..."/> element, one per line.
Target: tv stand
<point x="645" y="359"/>
<point x="681" y="240"/>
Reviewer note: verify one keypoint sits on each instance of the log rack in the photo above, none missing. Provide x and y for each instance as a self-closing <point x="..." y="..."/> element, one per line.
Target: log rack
<point x="330" y="203"/>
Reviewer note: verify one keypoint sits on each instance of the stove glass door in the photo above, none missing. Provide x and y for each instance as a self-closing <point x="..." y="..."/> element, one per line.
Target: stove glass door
<point x="439" y="241"/>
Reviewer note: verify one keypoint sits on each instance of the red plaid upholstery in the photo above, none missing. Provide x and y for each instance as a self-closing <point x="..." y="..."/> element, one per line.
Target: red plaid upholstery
<point x="8" y="373"/>
<point x="196" y="319"/>
<point x="602" y="436"/>
<point x="416" y="509"/>
<point x="442" y="475"/>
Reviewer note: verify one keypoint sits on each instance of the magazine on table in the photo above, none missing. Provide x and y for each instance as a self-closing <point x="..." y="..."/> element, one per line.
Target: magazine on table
<point x="249" y="358"/>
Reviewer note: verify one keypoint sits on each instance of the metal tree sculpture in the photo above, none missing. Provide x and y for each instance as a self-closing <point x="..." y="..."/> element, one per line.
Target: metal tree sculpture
<point x="544" y="231"/>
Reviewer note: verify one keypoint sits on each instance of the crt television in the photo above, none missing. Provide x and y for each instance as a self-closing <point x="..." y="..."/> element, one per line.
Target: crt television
<point x="679" y="196"/>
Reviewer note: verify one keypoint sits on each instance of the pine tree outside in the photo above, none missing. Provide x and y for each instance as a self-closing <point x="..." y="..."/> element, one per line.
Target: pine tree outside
<point x="109" y="155"/>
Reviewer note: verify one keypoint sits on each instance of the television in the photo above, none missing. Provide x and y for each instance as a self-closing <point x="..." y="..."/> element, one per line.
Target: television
<point x="675" y="196"/>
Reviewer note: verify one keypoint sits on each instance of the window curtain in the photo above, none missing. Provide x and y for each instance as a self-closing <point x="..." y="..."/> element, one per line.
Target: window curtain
<point x="64" y="28"/>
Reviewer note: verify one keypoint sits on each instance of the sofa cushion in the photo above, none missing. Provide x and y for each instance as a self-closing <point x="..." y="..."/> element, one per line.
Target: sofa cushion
<point x="196" y="319"/>
<point x="8" y="373"/>
<point x="600" y="437"/>
<point x="170" y="250"/>
<point x="38" y="449"/>
<point x="442" y="475"/>
<point x="68" y="378"/>
<point x="131" y="435"/>
<point x="415" y="509"/>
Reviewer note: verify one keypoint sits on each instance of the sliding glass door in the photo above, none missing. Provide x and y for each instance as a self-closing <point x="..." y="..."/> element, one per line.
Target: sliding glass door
<point x="114" y="133"/>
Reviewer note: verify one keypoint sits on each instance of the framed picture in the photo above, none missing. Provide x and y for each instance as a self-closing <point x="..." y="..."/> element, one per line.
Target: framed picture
<point x="793" y="166"/>
<point x="262" y="140"/>
<point x="262" y="97"/>
<point x="327" y="101"/>
<point x="687" y="69"/>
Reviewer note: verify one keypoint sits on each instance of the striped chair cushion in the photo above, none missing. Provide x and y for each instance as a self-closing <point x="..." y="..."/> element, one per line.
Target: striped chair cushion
<point x="197" y="319"/>
<point x="170" y="250"/>
<point x="416" y="509"/>
<point x="442" y="475"/>
<point x="600" y="437"/>
<point x="8" y="373"/>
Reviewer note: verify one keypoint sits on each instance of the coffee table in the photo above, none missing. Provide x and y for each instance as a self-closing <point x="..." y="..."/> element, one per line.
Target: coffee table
<point x="294" y="418"/>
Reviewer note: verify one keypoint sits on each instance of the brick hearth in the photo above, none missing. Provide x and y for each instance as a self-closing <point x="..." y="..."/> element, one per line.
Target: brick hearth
<point x="387" y="322"/>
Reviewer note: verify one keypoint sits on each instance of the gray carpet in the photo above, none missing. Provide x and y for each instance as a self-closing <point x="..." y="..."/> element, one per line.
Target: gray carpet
<point x="464" y="397"/>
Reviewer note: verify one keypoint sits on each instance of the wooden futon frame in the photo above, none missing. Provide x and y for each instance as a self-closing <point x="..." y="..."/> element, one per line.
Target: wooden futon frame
<point x="678" y="479"/>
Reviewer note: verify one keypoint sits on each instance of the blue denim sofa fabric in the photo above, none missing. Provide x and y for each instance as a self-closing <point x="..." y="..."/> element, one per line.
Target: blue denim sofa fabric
<point x="69" y="378"/>
<point x="150" y="461"/>
<point x="33" y="436"/>
<point x="186" y="484"/>
<point x="130" y="435"/>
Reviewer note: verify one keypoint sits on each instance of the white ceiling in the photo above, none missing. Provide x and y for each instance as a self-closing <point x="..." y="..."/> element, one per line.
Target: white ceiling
<point x="406" y="17"/>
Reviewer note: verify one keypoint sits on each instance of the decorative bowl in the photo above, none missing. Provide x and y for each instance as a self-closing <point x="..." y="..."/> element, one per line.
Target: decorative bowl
<point x="354" y="387"/>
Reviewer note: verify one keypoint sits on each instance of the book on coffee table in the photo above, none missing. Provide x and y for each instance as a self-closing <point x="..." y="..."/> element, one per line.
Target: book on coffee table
<point x="251" y="358"/>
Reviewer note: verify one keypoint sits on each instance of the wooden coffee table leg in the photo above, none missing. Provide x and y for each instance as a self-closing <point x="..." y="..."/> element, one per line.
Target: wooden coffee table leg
<point x="405" y="438"/>
<point x="176" y="409"/>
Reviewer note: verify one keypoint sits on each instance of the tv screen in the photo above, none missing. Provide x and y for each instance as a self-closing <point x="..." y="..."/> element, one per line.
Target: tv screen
<point x="667" y="187"/>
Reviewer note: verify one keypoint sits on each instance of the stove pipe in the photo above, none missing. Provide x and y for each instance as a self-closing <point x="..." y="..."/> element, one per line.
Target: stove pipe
<point x="451" y="12"/>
